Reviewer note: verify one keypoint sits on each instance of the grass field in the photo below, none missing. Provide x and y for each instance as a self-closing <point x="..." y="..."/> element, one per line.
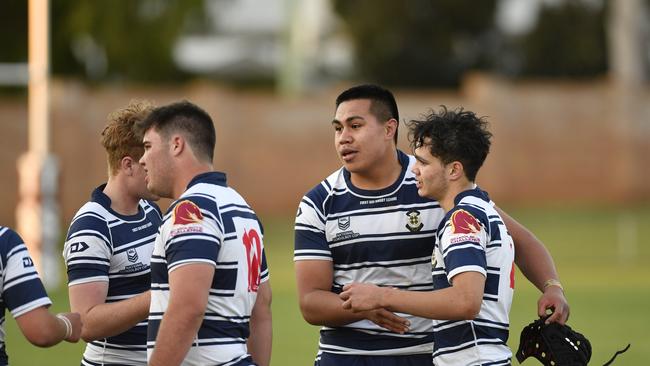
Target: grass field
<point x="603" y="258"/>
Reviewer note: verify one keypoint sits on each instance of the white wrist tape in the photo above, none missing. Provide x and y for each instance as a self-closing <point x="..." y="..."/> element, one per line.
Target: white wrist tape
<point x="68" y="325"/>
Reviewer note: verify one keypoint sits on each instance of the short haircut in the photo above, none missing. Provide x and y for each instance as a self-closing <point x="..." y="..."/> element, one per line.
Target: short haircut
<point x="120" y="136"/>
<point x="188" y="119"/>
<point x="453" y="135"/>
<point x="382" y="102"/>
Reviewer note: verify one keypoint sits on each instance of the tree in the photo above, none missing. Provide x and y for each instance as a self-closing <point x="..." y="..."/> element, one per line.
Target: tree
<point x="419" y="42"/>
<point x="13" y="31"/>
<point x="107" y="39"/>
<point x="568" y="41"/>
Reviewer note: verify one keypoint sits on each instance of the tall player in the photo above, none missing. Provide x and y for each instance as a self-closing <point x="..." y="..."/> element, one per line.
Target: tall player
<point x="366" y="223"/>
<point x="22" y="292"/>
<point x="473" y="257"/>
<point x="210" y="294"/>
<point x="108" y="250"/>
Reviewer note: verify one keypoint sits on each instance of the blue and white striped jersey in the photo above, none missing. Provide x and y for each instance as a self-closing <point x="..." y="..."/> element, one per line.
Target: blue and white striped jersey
<point x="473" y="237"/>
<point x="21" y="290"/>
<point x="211" y="223"/>
<point x="103" y="245"/>
<point x="384" y="237"/>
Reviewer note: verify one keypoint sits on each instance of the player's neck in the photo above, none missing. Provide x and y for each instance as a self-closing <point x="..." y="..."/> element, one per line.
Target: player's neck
<point x="121" y="201"/>
<point x="380" y="175"/>
<point x="456" y="188"/>
<point x="185" y="175"/>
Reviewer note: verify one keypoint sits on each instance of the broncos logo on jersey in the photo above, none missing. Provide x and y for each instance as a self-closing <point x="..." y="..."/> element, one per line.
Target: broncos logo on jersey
<point x="462" y="222"/>
<point x="187" y="212"/>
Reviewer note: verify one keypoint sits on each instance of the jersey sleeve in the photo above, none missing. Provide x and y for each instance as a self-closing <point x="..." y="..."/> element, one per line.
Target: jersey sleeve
<point x="310" y="242"/>
<point x="87" y="251"/>
<point x="195" y="234"/>
<point x="462" y="244"/>
<point x="264" y="275"/>
<point x="23" y="290"/>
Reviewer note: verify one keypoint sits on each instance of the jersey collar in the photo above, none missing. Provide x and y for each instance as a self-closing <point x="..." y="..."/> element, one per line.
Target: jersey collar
<point x="217" y="178"/>
<point x="475" y="192"/>
<point x="404" y="162"/>
<point x="100" y="197"/>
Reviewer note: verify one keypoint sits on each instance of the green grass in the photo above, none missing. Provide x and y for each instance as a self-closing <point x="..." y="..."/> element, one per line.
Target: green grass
<point x="601" y="255"/>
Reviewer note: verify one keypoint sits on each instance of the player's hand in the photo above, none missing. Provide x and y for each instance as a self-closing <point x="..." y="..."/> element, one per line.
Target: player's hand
<point x="388" y="320"/>
<point x="75" y="322"/>
<point x="367" y="299"/>
<point x="361" y="297"/>
<point x="553" y="300"/>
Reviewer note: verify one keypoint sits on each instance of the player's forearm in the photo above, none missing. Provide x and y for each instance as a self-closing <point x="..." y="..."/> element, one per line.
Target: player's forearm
<point x="261" y="329"/>
<point x="261" y="338"/>
<point x="110" y="319"/>
<point x="178" y="329"/>
<point x="41" y="328"/>
<point x="531" y="256"/>
<point x="446" y="304"/>
<point x="537" y="265"/>
<point x="53" y="331"/>
<point x="321" y="307"/>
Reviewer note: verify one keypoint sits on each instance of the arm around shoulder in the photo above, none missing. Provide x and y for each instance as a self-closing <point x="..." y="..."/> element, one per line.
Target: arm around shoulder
<point x="531" y="256"/>
<point x="536" y="263"/>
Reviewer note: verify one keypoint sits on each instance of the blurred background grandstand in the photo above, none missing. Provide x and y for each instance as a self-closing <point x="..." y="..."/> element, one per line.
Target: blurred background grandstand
<point x="564" y="84"/>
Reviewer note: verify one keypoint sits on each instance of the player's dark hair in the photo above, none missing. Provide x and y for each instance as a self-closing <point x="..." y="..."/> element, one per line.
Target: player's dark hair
<point x="453" y="135"/>
<point x="186" y="118"/>
<point x="382" y="102"/>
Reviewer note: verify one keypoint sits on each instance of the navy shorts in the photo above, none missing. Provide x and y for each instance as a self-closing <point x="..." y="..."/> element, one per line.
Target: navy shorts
<point x="333" y="359"/>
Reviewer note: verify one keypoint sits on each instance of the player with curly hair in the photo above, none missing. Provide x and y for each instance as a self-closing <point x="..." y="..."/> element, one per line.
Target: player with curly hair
<point x="108" y="249"/>
<point x="473" y="256"/>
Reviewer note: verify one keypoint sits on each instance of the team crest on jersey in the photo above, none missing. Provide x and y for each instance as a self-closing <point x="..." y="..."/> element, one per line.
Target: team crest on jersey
<point x="413" y="221"/>
<point x="132" y="255"/>
<point x="344" y="223"/>
<point x="187" y="212"/>
<point x="463" y="222"/>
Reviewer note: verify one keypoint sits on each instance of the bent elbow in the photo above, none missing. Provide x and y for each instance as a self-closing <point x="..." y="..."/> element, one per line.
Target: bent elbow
<point x="309" y="315"/>
<point x="470" y="309"/>
<point x="87" y="337"/>
<point x="90" y="330"/>
<point x="312" y="320"/>
<point x="43" y="340"/>
<point x="309" y="318"/>
<point x="471" y="313"/>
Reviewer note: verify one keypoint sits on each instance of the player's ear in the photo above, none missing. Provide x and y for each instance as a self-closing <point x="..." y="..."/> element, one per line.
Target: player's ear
<point x="126" y="165"/>
<point x="177" y="144"/>
<point x="391" y="128"/>
<point x="456" y="170"/>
